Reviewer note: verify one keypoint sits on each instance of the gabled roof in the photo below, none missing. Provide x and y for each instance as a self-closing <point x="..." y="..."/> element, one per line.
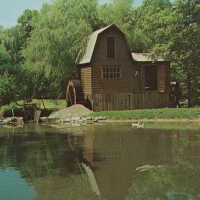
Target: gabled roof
<point x="87" y="57"/>
<point x="144" y="57"/>
<point x="91" y="45"/>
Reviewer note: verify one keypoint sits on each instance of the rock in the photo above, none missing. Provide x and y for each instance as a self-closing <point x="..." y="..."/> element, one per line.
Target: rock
<point x="8" y="120"/>
<point x="88" y="118"/>
<point x="44" y="119"/>
<point x="67" y="120"/>
<point x="76" y="124"/>
<point x="71" y="112"/>
<point x="76" y="118"/>
<point x="96" y="119"/>
<point x="102" y="118"/>
<point x="99" y="118"/>
<point x="14" y="121"/>
<point x="2" y="122"/>
<point x="20" y="121"/>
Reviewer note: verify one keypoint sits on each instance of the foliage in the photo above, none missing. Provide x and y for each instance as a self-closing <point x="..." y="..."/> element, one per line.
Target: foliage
<point x="121" y="13"/>
<point x="47" y="106"/>
<point x="47" y="44"/>
<point x="4" y="55"/>
<point x="25" y="22"/>
<point x="12" y="40"/>
<point x="8" y="88"/>
<point x="58" y="37"/>
<point x="173" y="33"/>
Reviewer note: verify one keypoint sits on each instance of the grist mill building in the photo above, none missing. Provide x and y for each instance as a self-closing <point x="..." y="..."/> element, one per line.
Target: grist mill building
<point x="113" y="78"/>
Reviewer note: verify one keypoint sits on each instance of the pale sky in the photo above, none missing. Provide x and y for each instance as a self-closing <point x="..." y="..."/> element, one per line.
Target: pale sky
<point x="10" y="10"/>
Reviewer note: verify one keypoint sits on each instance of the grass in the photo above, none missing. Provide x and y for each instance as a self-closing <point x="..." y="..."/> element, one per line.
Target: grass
<point x="164" y="113"/>
<point x="55" y="104"/>
<point x="50" y="105"/>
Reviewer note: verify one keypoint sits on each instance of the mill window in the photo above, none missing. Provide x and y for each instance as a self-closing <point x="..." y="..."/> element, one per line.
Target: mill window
<point x="110" y="47"/>
<point x="111" y="73"/>
<point x="151" y="78"/>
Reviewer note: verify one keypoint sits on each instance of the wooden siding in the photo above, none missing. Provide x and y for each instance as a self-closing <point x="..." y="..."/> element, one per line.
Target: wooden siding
<point x="122" y="59"/>
<point x="130" y="101"/>
<point x="86" y="81"/>
<point x="129" y="91"/>
<point x="163" y="74"/>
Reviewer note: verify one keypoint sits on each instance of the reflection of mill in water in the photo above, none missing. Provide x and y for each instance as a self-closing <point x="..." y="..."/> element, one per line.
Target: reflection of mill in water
<point x="109" y="163"/>
<point x="86" y="157"/>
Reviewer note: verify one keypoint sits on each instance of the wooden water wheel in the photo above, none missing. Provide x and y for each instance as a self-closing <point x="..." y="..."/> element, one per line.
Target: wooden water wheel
<point x="74" y="94"/>
<point x="71" y="94"/>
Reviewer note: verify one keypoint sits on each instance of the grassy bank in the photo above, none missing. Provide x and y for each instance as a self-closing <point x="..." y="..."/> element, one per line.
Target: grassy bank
<point x="164" y="113"/>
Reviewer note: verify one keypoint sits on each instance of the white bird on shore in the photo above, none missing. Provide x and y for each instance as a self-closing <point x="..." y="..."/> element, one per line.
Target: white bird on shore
<point x="138" y="124"/>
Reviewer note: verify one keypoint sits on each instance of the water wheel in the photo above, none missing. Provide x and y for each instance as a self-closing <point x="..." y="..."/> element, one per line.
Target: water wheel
<point x="70" y="94"/>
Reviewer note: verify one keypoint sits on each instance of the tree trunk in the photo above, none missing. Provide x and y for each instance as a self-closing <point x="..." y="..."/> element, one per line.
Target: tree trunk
<point x="189" y="88"/>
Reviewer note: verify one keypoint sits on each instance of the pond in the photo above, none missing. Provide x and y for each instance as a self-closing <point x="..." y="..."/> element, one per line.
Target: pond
<point x="103" y="161"/>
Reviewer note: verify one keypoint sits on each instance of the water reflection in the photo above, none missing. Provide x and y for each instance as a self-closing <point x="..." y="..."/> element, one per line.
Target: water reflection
<point x="100" y="162"/>
<point x="10" y="190"/>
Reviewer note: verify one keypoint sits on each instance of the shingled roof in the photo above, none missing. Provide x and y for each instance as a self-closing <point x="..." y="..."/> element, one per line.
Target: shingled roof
<point x="138" y="57"/>
<point x="91" y="44"/>
<point x="144" y="57"/>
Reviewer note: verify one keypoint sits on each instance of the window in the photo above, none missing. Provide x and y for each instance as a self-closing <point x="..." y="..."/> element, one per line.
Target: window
<point x="151" y="78"/>
<point x="111" y="73"/>
<point x="110" y="47"/>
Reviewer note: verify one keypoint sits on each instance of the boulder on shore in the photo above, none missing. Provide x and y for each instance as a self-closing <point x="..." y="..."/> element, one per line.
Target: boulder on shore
<point x="72" y="112"/>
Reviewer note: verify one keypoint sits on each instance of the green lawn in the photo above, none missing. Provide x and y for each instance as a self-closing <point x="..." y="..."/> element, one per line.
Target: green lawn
<point x="52" y="103"/>
<point x="164" y="113"/>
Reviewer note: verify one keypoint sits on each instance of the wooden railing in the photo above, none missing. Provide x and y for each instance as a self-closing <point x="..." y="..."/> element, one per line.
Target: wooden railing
<point x="130" y="101"/>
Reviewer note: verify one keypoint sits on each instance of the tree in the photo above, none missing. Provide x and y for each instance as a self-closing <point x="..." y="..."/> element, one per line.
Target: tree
<point x="57" y="39"/>
<point x="173" y="33"/>
<point x="4" y="55"/>
<point x="25" y="22"/>
<point x="121" y="13"/>
<point x="12" y="40"/>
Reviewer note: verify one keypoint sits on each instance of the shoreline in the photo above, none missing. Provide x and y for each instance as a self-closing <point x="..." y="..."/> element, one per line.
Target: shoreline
<point x="152" y="120"/>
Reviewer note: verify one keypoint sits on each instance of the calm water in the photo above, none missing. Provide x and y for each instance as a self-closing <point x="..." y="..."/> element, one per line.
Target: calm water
<point x="107" y="162"/>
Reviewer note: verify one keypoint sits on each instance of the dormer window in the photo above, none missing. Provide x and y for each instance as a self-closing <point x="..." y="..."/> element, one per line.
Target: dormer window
<point x="110" y="47"/>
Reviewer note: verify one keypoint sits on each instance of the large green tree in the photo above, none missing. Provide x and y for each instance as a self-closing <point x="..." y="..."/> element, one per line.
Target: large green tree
<point x="60" y="33"/>
<point x="172" y="32"/>
<point x="16" y="83"/>
<point x="122" y="14"/>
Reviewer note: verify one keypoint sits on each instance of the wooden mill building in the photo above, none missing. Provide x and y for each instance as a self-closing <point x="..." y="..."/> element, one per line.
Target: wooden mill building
<point x="113" y="78"/>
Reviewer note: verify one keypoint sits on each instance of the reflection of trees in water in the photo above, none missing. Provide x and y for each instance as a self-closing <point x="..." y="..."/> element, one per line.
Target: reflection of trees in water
<point x="48" y="163"/>
<point x="38" y="156"/>
<point x="174" y="181"/>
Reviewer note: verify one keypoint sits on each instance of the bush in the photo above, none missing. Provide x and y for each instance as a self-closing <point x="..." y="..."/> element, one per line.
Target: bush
<point x="8" y="88"/>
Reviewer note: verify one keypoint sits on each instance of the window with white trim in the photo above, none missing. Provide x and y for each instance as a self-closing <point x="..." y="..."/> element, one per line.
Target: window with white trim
<point x="111" y="73"/>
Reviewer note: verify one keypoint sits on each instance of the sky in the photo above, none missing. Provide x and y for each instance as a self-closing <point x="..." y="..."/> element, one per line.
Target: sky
<point x="10" y="10"/>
